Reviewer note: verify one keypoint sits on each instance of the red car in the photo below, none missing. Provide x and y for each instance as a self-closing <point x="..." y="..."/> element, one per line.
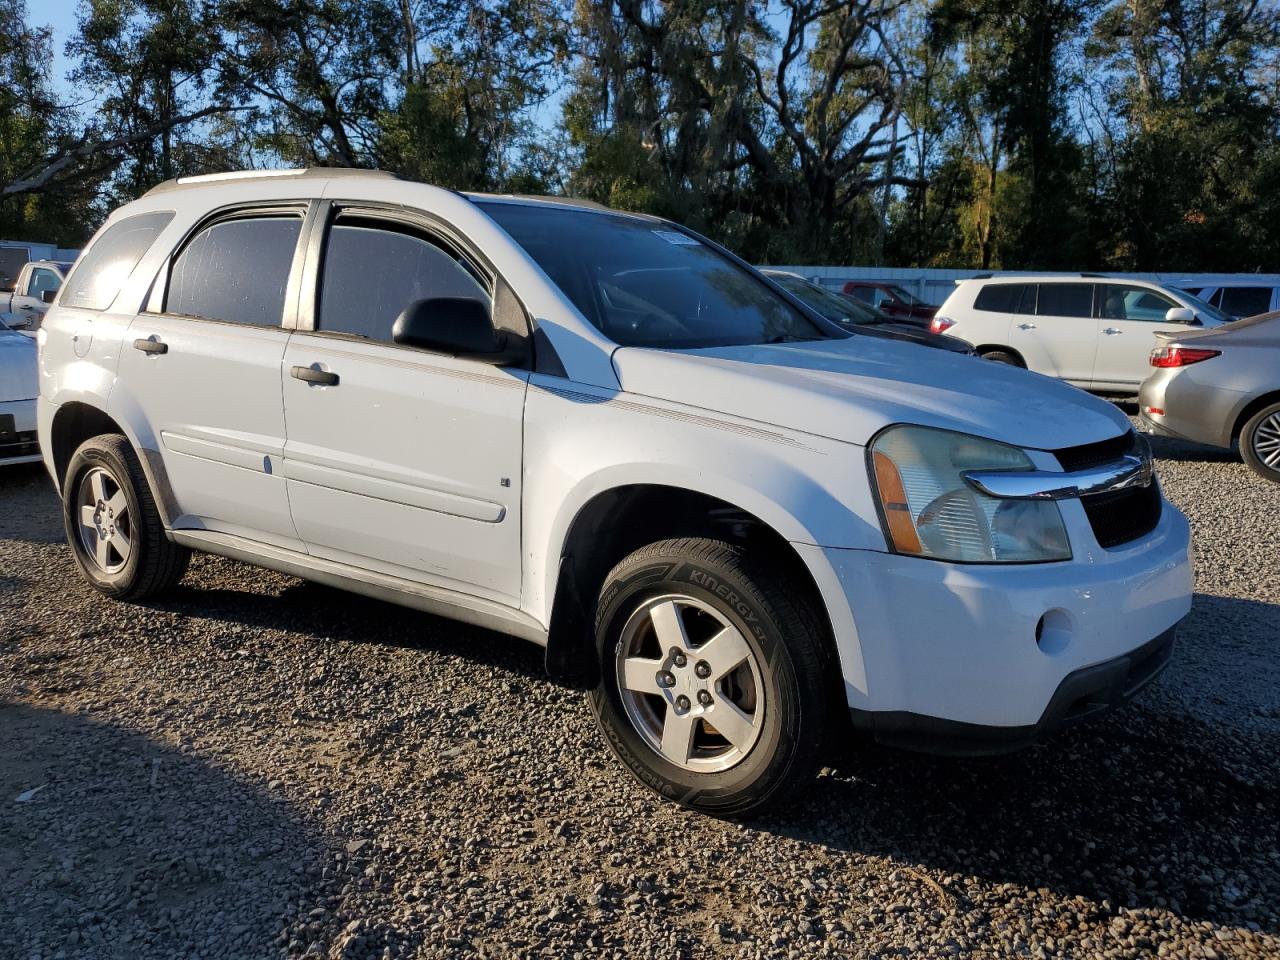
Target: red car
<point x="891" y="299"/>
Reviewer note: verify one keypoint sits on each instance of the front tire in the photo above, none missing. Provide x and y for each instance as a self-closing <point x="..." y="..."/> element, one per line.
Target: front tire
<point x="1260" y="442"/>
<point x="713" y="691"/>
<point x="113" y="527"/>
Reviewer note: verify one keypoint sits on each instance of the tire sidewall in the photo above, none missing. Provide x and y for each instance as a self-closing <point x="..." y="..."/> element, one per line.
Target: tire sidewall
<point x="89" y="456"/>
<point x="766" y="766"/>
<point x="1246" y="443"/>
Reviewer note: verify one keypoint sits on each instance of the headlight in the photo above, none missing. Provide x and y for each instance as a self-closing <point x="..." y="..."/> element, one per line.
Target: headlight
<point x="930" y="511"/>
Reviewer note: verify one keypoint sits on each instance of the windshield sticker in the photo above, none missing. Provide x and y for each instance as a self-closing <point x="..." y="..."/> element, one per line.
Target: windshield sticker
<point x="679" y="239"/>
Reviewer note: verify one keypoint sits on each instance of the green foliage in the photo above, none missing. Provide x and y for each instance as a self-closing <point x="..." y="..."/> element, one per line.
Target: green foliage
<point x="1040" y="134"/>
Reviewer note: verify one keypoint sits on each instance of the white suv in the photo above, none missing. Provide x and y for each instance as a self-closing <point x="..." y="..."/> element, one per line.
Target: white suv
<point x="1092" y="331"/>
<point x="736" y="524"/>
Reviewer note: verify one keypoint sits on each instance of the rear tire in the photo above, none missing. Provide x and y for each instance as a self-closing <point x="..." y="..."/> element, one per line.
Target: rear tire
<point x="1003" y="356"/>
<point x="714" y="688"/>
<point x="1260" y="442"/>
<point x="113" y="527"/>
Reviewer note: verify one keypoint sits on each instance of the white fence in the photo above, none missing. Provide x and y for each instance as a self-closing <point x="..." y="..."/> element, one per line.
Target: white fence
<point x="934" y="286"/>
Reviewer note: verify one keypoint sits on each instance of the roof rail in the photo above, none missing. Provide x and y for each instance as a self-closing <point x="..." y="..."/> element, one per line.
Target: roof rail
<point x="303" y="172"/>
<point x="544" y="197"/>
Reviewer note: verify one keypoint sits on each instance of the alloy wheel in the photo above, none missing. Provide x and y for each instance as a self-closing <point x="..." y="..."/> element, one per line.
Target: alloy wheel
<point x="690" y="683"/>
<point x="105" y="526"/>
<point x="1266" y="441"/>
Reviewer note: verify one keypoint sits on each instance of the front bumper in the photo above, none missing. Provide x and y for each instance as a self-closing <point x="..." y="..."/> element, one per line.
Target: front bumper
<point x="19" y="446"/>
<point x="993" y="645"/>
<point x="1083" y="694"/>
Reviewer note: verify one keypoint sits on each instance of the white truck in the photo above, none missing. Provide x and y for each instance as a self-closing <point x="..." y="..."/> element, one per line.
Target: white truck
<point x="24" y="303"/>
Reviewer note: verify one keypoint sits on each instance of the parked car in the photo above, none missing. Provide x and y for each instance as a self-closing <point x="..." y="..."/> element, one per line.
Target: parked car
<point x="23" y="307"/>
<point x="733" y="522"/>
<point x="17" y="398"/>
<point x="1220" y="387"/>
<point x="1091" y="331"/>
<point x="857" y="316"/>
<point x="891" y="299"/>
<point x="1240" y="299"/>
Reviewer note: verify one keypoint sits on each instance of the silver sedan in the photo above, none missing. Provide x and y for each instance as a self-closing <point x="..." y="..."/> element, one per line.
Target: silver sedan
<point x="1219" y="386"/>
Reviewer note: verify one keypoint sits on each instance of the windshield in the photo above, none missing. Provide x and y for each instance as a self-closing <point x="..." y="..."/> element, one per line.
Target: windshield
<point x="1205" y="308"/>
<point x="644" y="283"/>
<point x="833" y="306"/>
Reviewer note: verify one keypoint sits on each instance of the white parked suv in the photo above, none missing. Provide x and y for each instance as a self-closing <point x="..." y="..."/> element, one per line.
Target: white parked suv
<point x="1092" y="331"/>
<point x="736" y="524"/>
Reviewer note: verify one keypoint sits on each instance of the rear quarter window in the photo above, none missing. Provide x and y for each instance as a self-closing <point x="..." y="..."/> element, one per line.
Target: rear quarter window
<point x="102" y="271"/>
<point x="1006" y="298"/>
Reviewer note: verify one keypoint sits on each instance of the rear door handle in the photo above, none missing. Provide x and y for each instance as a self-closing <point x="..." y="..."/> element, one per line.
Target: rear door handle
<point x="1112" y="331"/>
<point x="151" y="345"/>
<point x="311" y="375"/>
<point x="1026" y="326"/>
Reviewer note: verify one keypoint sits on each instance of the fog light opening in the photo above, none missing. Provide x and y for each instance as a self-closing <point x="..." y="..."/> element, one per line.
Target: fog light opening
<point x="1054" y="631"/>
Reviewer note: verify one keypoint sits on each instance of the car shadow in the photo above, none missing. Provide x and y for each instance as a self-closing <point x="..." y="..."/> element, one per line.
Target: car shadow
<point x="1187" y="451"/>
<point x="118" y="845"/>
<point x="330" y="614"/>
<point x="29" y="505"/>
<point x="1148" y="807"/>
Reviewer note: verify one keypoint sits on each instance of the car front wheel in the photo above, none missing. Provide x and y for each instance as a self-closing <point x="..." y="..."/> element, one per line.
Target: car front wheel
<point x="713" y="691"/>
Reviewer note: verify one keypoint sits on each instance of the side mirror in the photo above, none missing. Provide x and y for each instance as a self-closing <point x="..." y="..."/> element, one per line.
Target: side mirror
<point x="47" y="295"/>
<point x="1184" y="315"/>
<point x="458" y="326"/>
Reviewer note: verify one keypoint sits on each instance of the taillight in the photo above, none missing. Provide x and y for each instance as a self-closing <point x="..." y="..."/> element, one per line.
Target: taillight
<point x="941" y="324"/>
<point x="1180" y="356"/>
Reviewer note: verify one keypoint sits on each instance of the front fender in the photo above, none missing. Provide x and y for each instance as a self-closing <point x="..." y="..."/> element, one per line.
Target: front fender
<point x="581" y="442"/>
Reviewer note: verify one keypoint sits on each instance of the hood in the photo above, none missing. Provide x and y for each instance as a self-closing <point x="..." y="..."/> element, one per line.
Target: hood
<point x="913" y="334"/>
<point x="849" y="389"/>
<point x="17" y="367"/>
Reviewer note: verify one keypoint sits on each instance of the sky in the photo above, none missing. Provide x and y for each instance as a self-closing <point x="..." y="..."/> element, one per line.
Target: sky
<point x="61" y="16"/>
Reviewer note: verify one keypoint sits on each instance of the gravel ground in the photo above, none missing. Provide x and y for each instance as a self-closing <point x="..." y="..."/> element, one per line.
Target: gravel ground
<point x="257" y="767"/>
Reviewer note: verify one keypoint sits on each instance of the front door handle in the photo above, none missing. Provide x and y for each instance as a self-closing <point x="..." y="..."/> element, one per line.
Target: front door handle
<point x="1026" y="326"/>
<point x="151" y="345"/>
<point x="1112" y="331"/>
<point x="311" y="375"/>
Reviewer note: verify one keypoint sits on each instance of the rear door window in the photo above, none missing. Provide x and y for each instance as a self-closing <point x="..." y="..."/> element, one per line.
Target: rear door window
<point x="1065" y="300"/>
<point x="1245" y="301"/>
<point x="235" y="270"/>
<point x="100" y="274"/>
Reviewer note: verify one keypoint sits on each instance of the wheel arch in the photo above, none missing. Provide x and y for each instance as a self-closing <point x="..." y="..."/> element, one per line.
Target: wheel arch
<point x="75" y="421"/>
<point x="615" y="522"/>
<point x="73" y="424"/>
<point x="1249" y="409"/>
<point x="985" y="348"/>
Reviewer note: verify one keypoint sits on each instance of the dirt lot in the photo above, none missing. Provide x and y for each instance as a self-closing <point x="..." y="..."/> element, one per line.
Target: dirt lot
<point x="256" y="767"/>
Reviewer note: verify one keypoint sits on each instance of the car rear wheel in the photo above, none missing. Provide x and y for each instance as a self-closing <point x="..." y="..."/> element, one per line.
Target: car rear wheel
<point x="1003" y="356"/>
<point x="713" y="691"/>
<point x="1260" y="442"/>
<point x="113" y="527"/>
